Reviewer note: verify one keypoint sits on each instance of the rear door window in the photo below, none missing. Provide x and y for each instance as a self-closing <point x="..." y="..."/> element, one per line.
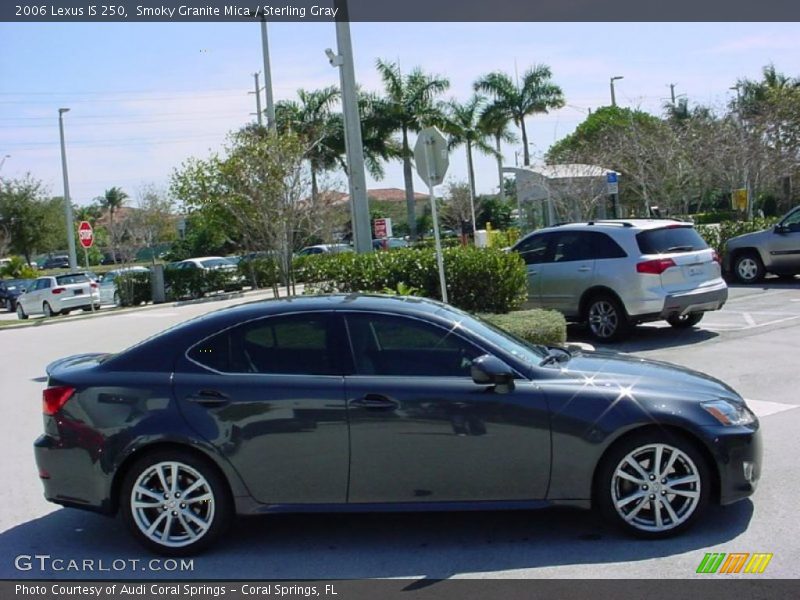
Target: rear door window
<point x="668" y="240"/>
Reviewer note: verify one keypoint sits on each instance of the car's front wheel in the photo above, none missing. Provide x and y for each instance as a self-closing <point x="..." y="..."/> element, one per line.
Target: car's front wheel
<point x="685" y="321"/>
<point x="175" y="503"/>
<point x="748" y="268"/>
<point x="607" y="319"/>
<point x="21" y="312"/>
<point x="653" y="484"/>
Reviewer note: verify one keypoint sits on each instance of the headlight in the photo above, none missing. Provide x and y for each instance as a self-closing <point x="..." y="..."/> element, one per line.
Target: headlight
<point x="728" y="412"/>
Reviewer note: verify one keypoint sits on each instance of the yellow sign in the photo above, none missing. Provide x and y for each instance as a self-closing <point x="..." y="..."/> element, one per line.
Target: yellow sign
<point x="739" y="199"/>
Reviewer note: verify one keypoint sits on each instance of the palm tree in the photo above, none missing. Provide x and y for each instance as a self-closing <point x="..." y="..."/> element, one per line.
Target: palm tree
<point x="494" y="121"/>
<point x="311" y="119"/>
<point x="536" y="94"/>
<point x="112" y="200"/>
<point x="408" y="106"/>
<point x="461" y="123"/>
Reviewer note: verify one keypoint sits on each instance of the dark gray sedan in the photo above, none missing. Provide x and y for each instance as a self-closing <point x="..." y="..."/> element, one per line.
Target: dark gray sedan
<point x="365" y="403"/>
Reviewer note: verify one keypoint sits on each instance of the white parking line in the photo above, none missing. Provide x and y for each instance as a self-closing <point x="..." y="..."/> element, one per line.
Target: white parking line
<point x="763" y="408"/>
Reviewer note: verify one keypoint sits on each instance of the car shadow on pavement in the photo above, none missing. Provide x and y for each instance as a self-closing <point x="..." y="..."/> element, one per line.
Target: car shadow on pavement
<point x="420" y="546"/>
<point x="769" y="283"/>
<point x="646" y="337"/>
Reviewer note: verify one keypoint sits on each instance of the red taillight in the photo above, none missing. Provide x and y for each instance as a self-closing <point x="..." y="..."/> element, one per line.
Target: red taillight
<point x="715" y="257"/>
<point x="655" y="267"/>
<point x="54" y="398"/>
<point x="58" y="290"/>
<point x="93" y="285"/>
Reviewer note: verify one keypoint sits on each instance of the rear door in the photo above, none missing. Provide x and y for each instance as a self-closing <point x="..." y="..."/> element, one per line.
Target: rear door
<point x="694" y="263"/>
<point x="269" y="394"/>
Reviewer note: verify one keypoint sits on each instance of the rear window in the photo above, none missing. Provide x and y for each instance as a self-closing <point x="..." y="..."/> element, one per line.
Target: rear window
<point x="68" y="279"/>
<point x="670" y="239"/>
<point x="216" y="262"/>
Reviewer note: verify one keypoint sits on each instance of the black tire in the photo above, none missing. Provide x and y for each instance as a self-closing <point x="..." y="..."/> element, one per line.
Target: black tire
<point x="10" y="305"/>
<point x="685" y="321"/>
<point x="638" y="516"/>
<point x="21" y="312"/>
<point x="606" y="318"/>
<point x="48" y="311"/>
<point x="217" y="511"/>
<point x="748" y="268"/>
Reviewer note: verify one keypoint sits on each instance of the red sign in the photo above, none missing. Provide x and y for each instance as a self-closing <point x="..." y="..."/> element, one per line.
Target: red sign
<point x="379" y="225"/>
<point x="85" y="234"/>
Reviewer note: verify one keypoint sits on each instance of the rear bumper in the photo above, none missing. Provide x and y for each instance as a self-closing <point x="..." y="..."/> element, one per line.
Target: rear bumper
<point x="695" y="301"/>
<point x="79" y="301"/>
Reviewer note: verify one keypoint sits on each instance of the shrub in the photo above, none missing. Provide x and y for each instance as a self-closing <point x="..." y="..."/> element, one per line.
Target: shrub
<point x="195" y="283"/>
<point x="504" y="239"/>
<point x="536" y="326"/>
<point x="260" y="272"/>
<point x="478" y="280"/>
<point x="133" y="288"/>
<point x="17" y="268"/>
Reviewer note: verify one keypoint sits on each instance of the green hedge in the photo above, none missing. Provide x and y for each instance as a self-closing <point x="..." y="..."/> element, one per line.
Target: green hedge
<point x="478" y="279"/>
<point x="260" y="272"/>
<point x="536" y="326"/>
<point x="195" y="283"/>
<point x="717" y="236"/>
<point x="133" y="288"/>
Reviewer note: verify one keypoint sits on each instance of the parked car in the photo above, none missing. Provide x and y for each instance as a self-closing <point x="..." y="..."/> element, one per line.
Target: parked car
<point x="55" y="262"/>
<point x="325" y="249"/>
<point x="353" y="402"/>
<point x="58" y="295"/>
<point x="389" y="243"/>
<point x="777" y="250"/>
<point x="10" y="289"/>
<point x="233" y="280"/>
<point x="617" y="273"/>
<point x="108" y="287"/>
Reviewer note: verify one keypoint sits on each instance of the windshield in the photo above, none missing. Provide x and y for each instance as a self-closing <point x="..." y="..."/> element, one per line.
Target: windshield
<point x="216" y="262"/>
<point x="517" y="347"/>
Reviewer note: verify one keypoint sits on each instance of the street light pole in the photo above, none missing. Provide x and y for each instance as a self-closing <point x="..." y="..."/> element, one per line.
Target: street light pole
<point x="359" y="204"/>
<point x="2" y="162"/>
<point x="267" y="77"/>
<point x="257" y="92"/>
<point x="73" y="261"/>
<point x="613" y="95"/>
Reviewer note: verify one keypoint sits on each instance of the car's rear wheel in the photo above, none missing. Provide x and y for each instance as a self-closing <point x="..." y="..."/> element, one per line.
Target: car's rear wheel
<point x="117" y="300"/>
<point x="47" y="310"/>
<point x="685" y="321"/>
<point x="653" y="484"/>
<point x="175" y="503"/>
<point x="607" y="319"/>
<point x="748" y="268"/>
<point x="9" y="305"/>
<point x="21" y="312"/>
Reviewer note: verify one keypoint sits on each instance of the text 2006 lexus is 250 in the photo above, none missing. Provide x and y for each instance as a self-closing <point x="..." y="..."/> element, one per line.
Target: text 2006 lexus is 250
<point x="362" y="403"/>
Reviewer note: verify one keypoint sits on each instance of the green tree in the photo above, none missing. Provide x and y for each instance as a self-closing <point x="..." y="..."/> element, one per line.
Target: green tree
<point x="409" y="106"/>
<point x="535" y="94"/>
<point x="494" y="121"/>
<point x="112" y="200"/>
<point x="30" y="220"/>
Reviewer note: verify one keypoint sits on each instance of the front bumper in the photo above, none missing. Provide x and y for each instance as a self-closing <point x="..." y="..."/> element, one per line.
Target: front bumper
<point x="738" y="455"/>
<point x="702" y="300"/>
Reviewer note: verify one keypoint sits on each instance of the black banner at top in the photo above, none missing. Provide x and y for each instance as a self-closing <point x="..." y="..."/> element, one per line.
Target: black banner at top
<point x="398" y="10"/>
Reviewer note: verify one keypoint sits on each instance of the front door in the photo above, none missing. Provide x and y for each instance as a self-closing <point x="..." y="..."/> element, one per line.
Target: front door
<point x="422" y="431"/>
<point x="784" y="248"/>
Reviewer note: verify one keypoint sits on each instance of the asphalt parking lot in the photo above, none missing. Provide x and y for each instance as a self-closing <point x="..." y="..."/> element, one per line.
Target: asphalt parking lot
<point x="752" y="344"/>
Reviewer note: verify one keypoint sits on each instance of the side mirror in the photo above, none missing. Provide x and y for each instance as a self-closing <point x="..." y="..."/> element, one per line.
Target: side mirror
<point x="490" y="370"/>
<point x="781" y="229"/>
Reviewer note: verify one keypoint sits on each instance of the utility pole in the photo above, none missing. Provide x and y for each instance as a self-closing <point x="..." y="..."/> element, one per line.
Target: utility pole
<point x="613" y="95"/>
<point x="267" y="77"/>
<point x="359" y="204"/>
<point x="672" y="92"/>
<point x="3" y="161"/>
<point x="257" y="92"/>
<point x="73" y="261"/>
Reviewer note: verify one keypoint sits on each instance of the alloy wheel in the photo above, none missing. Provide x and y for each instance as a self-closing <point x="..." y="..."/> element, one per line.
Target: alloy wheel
<point x="747" y="269"/>
<point x="656" y="488"/>
<point x="603" y="319"/>
<point x="172" y="504"/>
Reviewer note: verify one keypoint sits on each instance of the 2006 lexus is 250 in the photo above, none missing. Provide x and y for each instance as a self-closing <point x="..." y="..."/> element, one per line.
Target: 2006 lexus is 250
<point x="362" y="403"/>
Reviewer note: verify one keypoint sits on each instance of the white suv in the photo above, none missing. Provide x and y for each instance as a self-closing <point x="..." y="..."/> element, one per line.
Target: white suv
<point x="58" y="295"/>
<point x="617" y="273"/>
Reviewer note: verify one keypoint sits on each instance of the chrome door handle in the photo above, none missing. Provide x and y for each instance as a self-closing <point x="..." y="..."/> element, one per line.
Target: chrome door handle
<point x="584" y="269"/>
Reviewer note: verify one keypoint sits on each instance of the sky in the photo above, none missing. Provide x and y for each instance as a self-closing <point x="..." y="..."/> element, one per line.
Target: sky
<point x="144" y="97"/>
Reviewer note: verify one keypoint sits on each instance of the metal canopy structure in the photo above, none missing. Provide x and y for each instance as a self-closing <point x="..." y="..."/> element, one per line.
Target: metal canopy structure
<point x="547" y="194"/>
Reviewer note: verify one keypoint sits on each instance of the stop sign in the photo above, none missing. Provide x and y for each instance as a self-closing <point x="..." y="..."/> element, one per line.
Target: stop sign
<point x="85" y="234"/>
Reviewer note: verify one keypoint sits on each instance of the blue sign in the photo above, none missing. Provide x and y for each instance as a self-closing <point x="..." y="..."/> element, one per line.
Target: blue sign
<point x="611" y="177"/>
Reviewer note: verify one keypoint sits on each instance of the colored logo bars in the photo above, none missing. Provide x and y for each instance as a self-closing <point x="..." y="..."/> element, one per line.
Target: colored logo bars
<point x="736" y="562"/>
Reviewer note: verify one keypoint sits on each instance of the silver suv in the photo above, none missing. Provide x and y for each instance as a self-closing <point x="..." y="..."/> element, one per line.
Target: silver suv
<point x="617" y="273"/>
<point x="776" y="250"/>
